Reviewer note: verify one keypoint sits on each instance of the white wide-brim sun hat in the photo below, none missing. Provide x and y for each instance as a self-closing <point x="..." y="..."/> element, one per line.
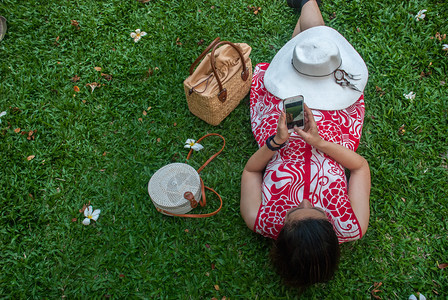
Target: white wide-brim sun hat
<point x="306" y="65"/>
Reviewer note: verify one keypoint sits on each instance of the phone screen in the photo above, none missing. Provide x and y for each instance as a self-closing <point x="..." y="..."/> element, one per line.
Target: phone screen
<point x="294" y="111"/>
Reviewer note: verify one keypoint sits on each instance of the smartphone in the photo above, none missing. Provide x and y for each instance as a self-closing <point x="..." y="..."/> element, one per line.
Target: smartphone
<point x="294" y="111"/>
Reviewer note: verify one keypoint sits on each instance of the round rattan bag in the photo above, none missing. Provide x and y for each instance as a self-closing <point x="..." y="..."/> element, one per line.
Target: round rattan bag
<point x="167" y="188"/>
<point x="177" y="188"/>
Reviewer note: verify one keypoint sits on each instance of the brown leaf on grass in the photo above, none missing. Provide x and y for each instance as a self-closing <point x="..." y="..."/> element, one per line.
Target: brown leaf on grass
<point x="158" y="140"/>
<point x="216" y="287"/>
<point x="149" y="72"/>
<point x="84" y="207"/>
<point x="75" y="78"/>
<point x="379" y="91"/>
<point x="140" y="120"/>
<point x="439" y="36"/>
<point x="93" y="85"/>
<point x="144" y="113"/>
<point x="31" y="157"/>
<point x="107" y="76"/>
<point x="31" y="134"/>
<point x="200" y="42"/>
<point x="332" y="16"/>
<point x="56" y="42"/>
<point x="17" y="130"/>
<point x="98" y="69"/>
<point x="375" y="290"/>
<point x="401" y="130"/>
<point x="76" y="88"/>
<point x="75" y="24"/>
<point x="74" y="220"/>
<point x="442" y="266"/>
<point x="143" y="1"/>
<point x="178" y="42"/>
<point x="255" y="9"/>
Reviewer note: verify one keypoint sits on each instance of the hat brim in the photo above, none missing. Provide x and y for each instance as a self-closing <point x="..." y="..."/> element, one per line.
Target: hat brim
<point x="283" y="81"/>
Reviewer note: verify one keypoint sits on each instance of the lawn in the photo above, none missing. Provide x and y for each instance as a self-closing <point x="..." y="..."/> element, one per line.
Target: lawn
<point x="62" y="148"/>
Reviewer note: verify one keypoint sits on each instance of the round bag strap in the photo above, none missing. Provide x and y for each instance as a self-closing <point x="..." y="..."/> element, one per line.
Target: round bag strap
<point x="203" y="187"/>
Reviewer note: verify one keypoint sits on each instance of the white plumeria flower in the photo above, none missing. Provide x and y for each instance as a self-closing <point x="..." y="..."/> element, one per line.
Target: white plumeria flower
<point x="445" y="47"/>
<point x="193" y="145"/>
<point x="420" y="297"/>
<point x="410" y="96"/>
<point x="421" y="15"/>
<point x="90" y="214"/>
<point x="1" y="115"/>
<point x="137" y="35"/>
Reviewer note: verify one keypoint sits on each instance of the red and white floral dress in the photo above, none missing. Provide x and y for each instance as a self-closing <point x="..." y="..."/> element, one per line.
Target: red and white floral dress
<point x="299" y="171"/>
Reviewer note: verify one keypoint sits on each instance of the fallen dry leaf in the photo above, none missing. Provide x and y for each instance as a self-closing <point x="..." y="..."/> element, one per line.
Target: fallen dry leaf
<point x="76" y="88"/>
<point x="143" y="1"/>
<point x="145" y="113"/>
<point x="439" y="36"/>
<point x="375" y="290"/>
<point x="98" y="68"/>
<point x="178" y="42"/>
<point x="31" y="157"/>
<point x="379" y="91"/>
<point x="140" y="120"/>
<point x="332" y="16"/>
<point x="74" y="219"/>
<point x="442" y="266"/>
<point x="158" y="140"/>
<point x="401" y="130"/>
<point x="107" y="76"/>
<point x="84" y="207"/>
<point x="31" y="134"/>
<point x="93" y="85"/>
<point x="75" y="24"/>
<point x="216" y="287"/>
<point x="75" y="78"/>
<point x="255" y="9"/>
<point x="17" y="130"/>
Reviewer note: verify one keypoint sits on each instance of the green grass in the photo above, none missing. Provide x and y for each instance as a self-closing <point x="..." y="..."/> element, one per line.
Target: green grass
<point x="93" y="147"/>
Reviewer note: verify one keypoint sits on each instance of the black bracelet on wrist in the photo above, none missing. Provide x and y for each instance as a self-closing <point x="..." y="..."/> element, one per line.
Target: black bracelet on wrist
<point x="272" y="148"/>
<point x="276" y="142"/>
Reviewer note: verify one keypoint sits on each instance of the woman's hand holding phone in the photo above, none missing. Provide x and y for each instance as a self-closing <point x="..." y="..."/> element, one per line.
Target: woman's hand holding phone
<point x="309" y="133"/>
<point x="282" y="134"/>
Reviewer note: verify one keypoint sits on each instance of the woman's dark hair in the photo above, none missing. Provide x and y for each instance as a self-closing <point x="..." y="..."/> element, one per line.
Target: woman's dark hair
<point x="306" y="252"/>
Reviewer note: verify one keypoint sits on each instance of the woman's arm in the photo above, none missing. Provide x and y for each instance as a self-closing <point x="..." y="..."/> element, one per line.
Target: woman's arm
<point x="252" y="177"/>
<point x="359" y="183"/>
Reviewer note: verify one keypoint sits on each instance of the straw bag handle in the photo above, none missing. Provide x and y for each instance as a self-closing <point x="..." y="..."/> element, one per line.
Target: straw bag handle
<point x="209" y="47"/>
<point x="189" y="197"/>
<point x="222" y="95"/>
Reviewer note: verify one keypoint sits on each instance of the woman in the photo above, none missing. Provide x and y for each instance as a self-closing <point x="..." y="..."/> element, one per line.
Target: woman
<point x="294" y="188"/>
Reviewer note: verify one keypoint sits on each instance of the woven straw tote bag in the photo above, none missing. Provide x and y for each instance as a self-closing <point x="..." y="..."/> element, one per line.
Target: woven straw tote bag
<point x="221" y="80"/>
<point x="177" y="188"/>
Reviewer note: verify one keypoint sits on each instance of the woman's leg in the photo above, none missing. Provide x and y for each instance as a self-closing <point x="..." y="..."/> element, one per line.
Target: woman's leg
<point x="309" y="17"/>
